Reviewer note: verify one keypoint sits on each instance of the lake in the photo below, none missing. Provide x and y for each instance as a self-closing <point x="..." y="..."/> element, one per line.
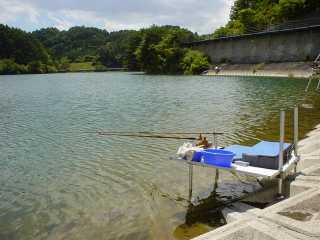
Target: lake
<point x="61" y="180"/>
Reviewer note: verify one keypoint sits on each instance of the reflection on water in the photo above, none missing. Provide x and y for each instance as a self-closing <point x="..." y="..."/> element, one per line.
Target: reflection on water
<point x="205" y="213"/>
<point x="60" y="180"/>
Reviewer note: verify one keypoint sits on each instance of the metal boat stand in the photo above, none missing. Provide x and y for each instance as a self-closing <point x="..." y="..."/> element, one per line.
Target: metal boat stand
<point x="279" y="173"/>
<point x="215" y="144"/>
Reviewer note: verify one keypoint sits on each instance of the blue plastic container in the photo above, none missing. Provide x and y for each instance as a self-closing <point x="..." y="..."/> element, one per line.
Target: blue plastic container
<point x="218" y="157"/>
<point x="197" y="156"/>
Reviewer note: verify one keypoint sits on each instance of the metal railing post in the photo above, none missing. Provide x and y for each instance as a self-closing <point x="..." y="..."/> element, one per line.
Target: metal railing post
<point x="296" y="135"/>
<point x="295" y="129"/>
<point x="308" y="85"/>
<point x="215" y="137"/>
<point x="318" y="86"/>
<point x="281" y="144"/>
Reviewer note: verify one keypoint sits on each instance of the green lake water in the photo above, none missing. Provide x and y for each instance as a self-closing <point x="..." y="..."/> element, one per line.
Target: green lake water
<point x="60" y="180"/>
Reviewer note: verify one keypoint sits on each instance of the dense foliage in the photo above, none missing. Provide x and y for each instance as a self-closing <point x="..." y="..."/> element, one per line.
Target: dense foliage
<point x="161" y="51"/>
<point x="155" y="50"/>
<point x="76" y="43"/>
<point x="256" y="15"/>
<point x="21" y="52"/>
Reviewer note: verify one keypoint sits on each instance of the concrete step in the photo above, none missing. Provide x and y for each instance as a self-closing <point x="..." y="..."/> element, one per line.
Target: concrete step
<point x="307" y="179"/>
<point x="251" y="229"/>
<point x="295" y="218"/>
<point x="238" y="211"/>
<point x="300" y="213"/>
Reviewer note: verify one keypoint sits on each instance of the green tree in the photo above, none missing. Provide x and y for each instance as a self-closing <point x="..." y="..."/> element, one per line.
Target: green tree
<point x="20" y="46"/>
<point x="161" y="51"/>
<point x="257" y="15"/>
<point x="36" y="67"/>
<point x="130" y="59"/>
<point x="235" y="27"/>
<point x="146" y="52"/>
<point x="9" y="66"/>
<point x="290" y="8"/>
<point x="194" y="62"/>
<point x="64" y="64"/>
<point x="108" y="56"/>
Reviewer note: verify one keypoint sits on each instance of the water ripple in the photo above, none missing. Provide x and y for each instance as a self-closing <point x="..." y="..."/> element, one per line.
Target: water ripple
<point x="60" y="180"/>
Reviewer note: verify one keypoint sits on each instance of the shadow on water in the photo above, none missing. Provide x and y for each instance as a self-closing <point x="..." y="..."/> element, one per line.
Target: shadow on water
<point x="206" y="214"/>
<point x="202" y="215"/>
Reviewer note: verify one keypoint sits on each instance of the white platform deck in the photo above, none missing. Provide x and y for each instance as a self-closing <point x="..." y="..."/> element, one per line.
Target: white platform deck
<point x="251" y="171"/>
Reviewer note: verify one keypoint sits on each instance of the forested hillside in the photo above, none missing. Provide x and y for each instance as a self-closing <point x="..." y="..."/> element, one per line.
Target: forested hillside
<point x="154" y="50"/>
<point x="157" y="49"/>
<point x="74" y="43"/>
<point x="20" y="52"/>
<point x="257" y="15"/>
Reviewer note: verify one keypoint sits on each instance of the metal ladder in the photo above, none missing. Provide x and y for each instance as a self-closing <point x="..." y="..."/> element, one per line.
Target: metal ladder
<point x="316" y="71"/>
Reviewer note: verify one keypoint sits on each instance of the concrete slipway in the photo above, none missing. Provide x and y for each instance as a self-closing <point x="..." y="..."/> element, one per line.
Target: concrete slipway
<point x="297" y="217"/>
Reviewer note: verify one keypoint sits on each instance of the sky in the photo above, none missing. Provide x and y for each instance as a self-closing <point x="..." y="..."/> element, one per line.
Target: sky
<point x="202" y="16"/>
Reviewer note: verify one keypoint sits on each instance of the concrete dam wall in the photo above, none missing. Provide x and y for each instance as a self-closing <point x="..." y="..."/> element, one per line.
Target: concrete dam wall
<point x="292" y="45"/>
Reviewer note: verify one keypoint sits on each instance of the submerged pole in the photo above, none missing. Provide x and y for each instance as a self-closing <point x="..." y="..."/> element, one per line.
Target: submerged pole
<point x="281" y="144"/>
<point x="216" y="179"/>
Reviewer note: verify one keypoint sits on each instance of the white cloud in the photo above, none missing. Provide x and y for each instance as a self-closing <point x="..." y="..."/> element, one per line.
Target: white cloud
<point x="64" y="19"/>
<point x="11" y="9"/>
<point x="59" y="22"/>
<point x="202" y="16"/>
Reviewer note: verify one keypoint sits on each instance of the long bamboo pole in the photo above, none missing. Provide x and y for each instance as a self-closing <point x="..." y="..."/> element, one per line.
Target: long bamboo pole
<point x="159" y="133"/>
<point x="145" y="136"/>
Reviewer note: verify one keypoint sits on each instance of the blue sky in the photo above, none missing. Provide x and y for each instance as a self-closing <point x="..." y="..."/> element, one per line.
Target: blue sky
<point x="201" y="16"/>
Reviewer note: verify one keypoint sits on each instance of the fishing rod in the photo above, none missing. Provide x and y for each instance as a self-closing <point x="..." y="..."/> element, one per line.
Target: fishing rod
<point x="145" y="136"/>
<point x="161" y="133"/>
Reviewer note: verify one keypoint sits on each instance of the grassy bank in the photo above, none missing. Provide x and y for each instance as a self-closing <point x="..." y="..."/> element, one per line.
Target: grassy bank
<point x="81" y="67"/>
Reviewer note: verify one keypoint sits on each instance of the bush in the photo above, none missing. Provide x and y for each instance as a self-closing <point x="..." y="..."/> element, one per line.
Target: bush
<point x="194" y="62"/>
<point x="51" y="69"/>
<point x="290" y="8"/>
<point x="64" y="64"/>
<point x="8" y="66"/>
<point x="100" y="68"/>
<point x="37" y="67"/>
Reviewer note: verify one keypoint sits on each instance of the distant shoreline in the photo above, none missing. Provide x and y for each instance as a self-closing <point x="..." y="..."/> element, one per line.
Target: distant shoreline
<point x="284" y="70"/>
<point x="77" y="71"/>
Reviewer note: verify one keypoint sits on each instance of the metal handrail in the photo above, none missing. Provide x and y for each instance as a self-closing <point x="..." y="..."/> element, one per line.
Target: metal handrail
<point x="316" y="71"/>
<point x="317" y="59"/>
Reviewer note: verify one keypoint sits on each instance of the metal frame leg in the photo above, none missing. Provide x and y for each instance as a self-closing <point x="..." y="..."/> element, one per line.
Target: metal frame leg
<point x="216" y="179"/>
<point x="190" y="181"/>
<point x="282" y="129"/>
<point x="296" y="134"/>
